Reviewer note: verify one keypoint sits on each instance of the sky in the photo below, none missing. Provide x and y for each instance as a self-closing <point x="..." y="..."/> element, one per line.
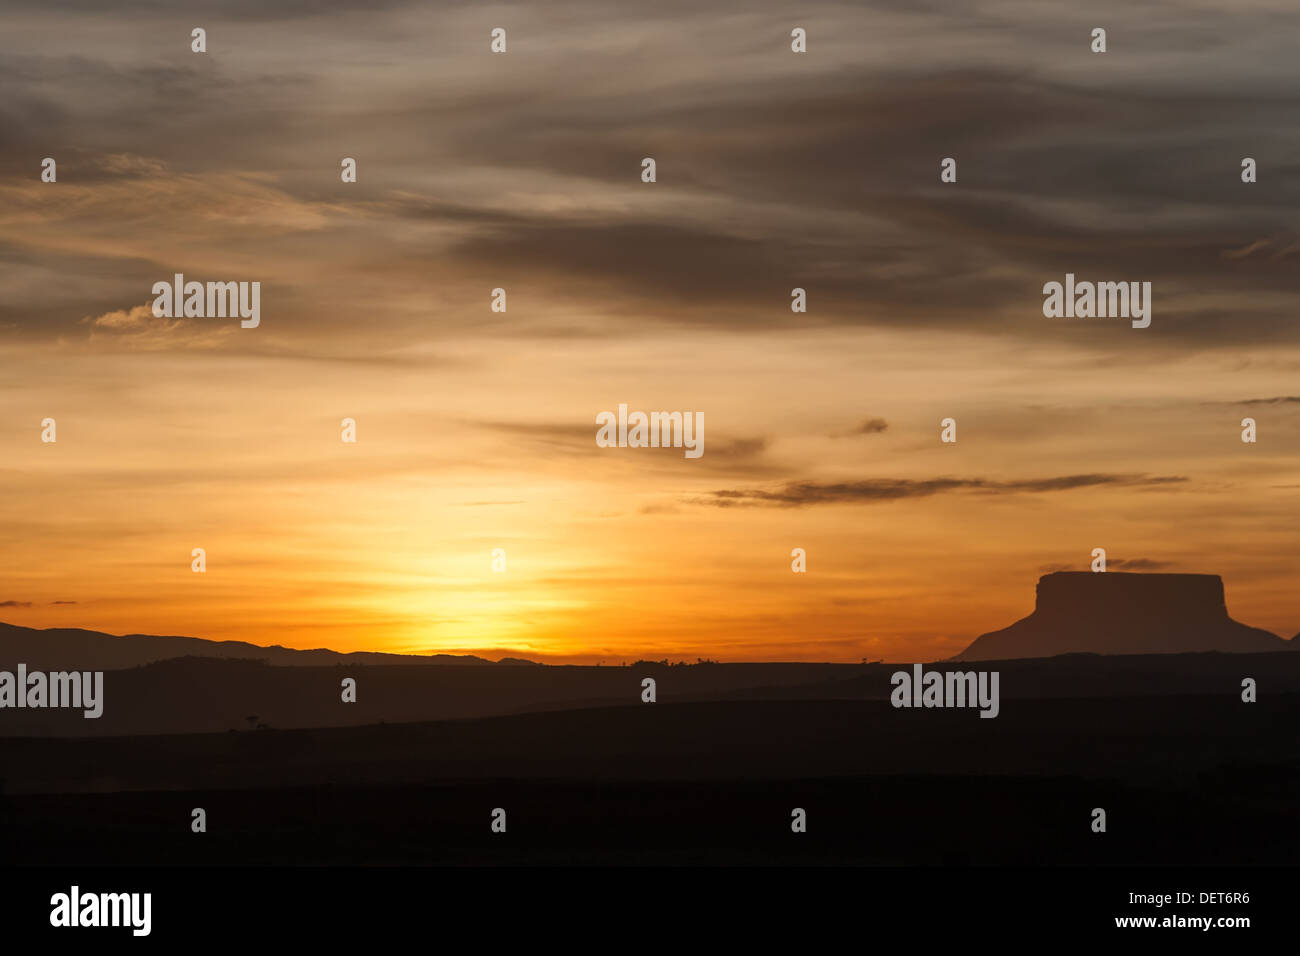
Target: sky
<point x="522" y="171"/>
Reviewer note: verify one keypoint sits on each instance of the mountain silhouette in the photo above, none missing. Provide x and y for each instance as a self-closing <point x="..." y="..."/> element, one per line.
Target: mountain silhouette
<point x="1124" y="613"/>
<point x="77" y="649"/>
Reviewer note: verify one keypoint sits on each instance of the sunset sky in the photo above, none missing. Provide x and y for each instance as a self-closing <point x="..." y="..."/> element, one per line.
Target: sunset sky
<point x="476" y="430"/>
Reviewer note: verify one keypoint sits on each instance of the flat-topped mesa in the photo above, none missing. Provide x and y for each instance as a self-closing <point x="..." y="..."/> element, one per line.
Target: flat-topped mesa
<point x="1157" y="600"/>
<point x="1115" y="612"/>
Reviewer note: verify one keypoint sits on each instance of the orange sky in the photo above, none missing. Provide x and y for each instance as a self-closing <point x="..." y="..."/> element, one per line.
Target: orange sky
<point x="616" y="553"/>
<point x="477" y="430"/>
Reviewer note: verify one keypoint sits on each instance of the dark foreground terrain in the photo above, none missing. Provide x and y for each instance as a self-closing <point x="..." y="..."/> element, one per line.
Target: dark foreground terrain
<point x="1196" y="779"/>
<point x="194" y="695"/>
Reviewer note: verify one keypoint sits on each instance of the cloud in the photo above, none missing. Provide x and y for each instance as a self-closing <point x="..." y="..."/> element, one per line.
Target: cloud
<point x="561" y="438"/>
<point x="129" y="164"/>
<point x="56" y="603"/>
<point x="1113" y="175"/>
<point x="138" y="328"/>
<point x="1137" y="564"/>
<point x="1128" y="564"/>
<point x="744" y="456"/>
<point x="872" y="426"/>
<point x="1246" y="250"/>
<point x="15" y="603"/>
<point x="805" y="493"/>
<point x="738" y="449"/>
<point x="137" y="318"/>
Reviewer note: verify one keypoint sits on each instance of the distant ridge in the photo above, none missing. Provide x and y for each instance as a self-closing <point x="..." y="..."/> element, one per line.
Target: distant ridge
<point x="1115" y="612"/>
<point x="77" y="649"/>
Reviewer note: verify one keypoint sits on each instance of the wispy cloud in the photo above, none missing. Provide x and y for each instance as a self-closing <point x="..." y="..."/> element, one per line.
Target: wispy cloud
<point x="872" y="426"/>
<point x="137" y="328"/>
<point x="804" y="493"/>
<point x="1126" y="564"/>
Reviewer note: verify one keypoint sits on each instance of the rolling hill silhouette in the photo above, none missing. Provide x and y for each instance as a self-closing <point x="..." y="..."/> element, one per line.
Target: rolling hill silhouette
<point x="1124" y="613"/>
<point x="78" y="649"/>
